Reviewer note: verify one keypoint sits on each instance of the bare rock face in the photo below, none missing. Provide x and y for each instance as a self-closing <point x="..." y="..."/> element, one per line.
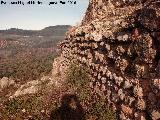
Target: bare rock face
<point x="6" y="82"/>
<point x="119" y="40"/>
<point x="34" y="86"/>
<point x="31" y="87"/>
<point x="155" y="115"/>
<point x="126" y="109"/>
<point x="156" y="83"/>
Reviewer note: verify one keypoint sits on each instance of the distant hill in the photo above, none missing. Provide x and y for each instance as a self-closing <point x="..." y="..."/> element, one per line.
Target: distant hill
<point x="54" y="30"/>
<point x="20" y="38"/>
<point x="57" y="30"/>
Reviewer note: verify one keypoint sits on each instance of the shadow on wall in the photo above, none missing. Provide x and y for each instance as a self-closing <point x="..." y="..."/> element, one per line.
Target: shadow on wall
<point x="70" y="109"/>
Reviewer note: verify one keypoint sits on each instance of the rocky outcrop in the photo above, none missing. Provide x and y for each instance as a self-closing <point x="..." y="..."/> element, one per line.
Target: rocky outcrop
<point x="119" y="40"/>
<point x="35" y="86"/>
<point x="6" y="82"/>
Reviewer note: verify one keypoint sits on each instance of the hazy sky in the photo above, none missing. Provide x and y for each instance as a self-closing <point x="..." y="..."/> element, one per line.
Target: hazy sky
<point x="39" y="16"/>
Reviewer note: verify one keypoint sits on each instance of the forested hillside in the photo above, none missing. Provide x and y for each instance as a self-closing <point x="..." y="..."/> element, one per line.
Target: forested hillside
<point x="27" y="54"/>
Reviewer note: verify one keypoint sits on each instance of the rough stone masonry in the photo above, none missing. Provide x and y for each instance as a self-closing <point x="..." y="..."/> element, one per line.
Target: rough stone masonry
<point x="119" y="40"/>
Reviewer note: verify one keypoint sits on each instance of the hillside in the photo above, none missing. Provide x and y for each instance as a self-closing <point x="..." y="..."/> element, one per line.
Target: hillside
<point x="58" y="30"/>
<point x="19" y="47"/>
<point x="109" y="65"/>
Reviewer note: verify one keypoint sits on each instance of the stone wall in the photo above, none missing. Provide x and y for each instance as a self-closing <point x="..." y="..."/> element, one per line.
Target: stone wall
<point x="120" y="42"/>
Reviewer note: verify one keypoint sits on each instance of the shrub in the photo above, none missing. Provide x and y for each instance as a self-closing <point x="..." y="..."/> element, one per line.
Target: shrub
<point x="78" y="79"/>
<point x="77" y="76"/>
<point x="31" y="104"/>
<point x="29" y="69"/>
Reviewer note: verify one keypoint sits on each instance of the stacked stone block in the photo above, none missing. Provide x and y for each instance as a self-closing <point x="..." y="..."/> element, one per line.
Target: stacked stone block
<point x="119" y="41"/>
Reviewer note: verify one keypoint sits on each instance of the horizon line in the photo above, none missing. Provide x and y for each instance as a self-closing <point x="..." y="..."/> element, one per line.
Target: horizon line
<point x="18" y="28"/>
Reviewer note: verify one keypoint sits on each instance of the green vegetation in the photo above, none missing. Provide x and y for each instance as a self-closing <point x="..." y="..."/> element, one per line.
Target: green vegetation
<point x="78" y="76"/>
<point x="32" y="68"/>
<point x="17" y="107"/>
<point x="28" y="54"/>
<point x="97" y="107"/>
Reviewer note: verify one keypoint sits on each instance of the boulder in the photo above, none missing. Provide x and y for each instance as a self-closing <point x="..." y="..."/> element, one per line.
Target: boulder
<point x="127" y="109"/>
<point x="141" y="104"/>
<point x="155" y="115"/>
<point x="138" y="91"/>
<point x="6" y="82"/>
